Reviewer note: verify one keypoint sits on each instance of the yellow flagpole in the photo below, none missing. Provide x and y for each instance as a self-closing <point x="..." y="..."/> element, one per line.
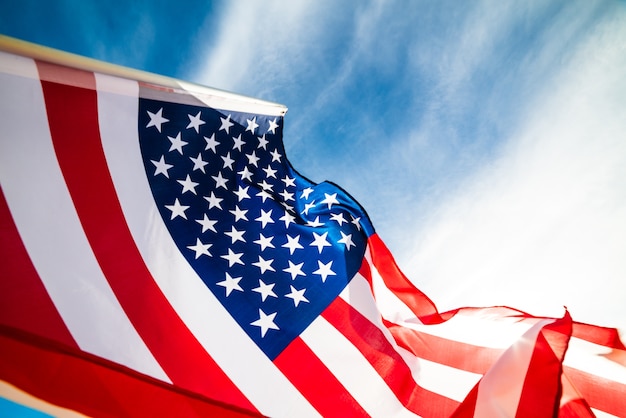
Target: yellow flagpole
<point x="213" y="97"/>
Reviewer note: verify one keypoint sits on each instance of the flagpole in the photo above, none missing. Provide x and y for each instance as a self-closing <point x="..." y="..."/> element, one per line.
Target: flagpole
<point x="216" y="98"/>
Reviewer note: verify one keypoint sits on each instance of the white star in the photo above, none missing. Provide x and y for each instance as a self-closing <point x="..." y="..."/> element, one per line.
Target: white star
<point x="292" y="243"/>
<point x="220" y="181"/>
<point x="238" y="142"/>
<point x="264" y="264"/>
<point x="357" y="222"/>
<point x="245" y="174"/>
<point x="273" y="126"/>
<point x="324" y="270"/>
<point x="289" y="181"/>
<point x="275" y="155"/>
<point x="264" y="242"/>
<point x="252" y="125"/>
<point x="228" y="162"/>
<point x="347" y="240"/>
<point x="177" y="143"/>
<point x="239" y="214"/>
<point x="269" y="172"/>
<point x="263" y="142"/>
<point x="188" y="185"/>
<point x="294" y="269"/>
<point x="265" y="290"/>
<point x="266" y="186"/>
<point x="233" y="258"/>
<point x="296" y="295"/>
<point x="286" y="205"/>
<point x="308" y="207"/>
<point x="156" y="119"/>
<point x="288" y="218"/>
<point x="200" y="248"/>
<point x="207" y="224"/>
<point x="265" y="218"/>
<point x="265" y="322"/>
<point x="161" y="167"/>
<point x="235" y="235"/>
<point x="320" y="241"/>
<point x="315" y="223"/>
<point x="331" y="199"/>
<point x="264" y="195"/>
<point x="226" y="124"/>
<point x="231" y="283"/>
<point x="242" y="193"/>
<point x="253" y="159"/>
<point x="214" y="201"/>
<point x="287" y="196"/>
<point x="195" y="122"/>
<point x="198" y="163"/>
<point x="338" y="217"/>
<point x="305" y="193"/>
<point x="177" y="209"/>
<point x="211" y="143"/>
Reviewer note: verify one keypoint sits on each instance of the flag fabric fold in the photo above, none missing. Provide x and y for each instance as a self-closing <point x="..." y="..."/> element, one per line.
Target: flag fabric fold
<point x="160" y="256"/>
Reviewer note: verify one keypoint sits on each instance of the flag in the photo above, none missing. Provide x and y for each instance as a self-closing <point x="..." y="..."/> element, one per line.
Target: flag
<point x="161" y="257"/>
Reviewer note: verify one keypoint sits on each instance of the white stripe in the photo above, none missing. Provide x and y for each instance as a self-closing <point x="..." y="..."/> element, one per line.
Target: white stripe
<point x="591" y="358"/>
<point x="49" y="226"/>
<point x="356" y="374"/>
<point x="444" y="380"/>
<point x="254" y="374"/>
<point x="14" y="65"/>
<point x="391" y="308"/>
<point x="438" y="378"/>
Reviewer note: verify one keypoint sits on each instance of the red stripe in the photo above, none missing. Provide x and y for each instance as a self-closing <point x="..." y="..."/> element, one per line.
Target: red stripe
<point x="316" y="383"/>
<point x="608" y="337"/>
<point x="73" y="379"/>
<point x="600" y="393"/>
<point x="541" y="393"/>
<point x="24" y="301"/>
<point x="375" y="347"/>
<point x="73" y="118"/>
<point x="576" y="408"/>
<point x="398" y="283"/>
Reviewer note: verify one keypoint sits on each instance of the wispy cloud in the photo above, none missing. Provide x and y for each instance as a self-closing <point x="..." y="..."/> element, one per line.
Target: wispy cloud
<point x="544" y="225"/>
<point x="260" y="46"/>
<point x="473" y="82"/>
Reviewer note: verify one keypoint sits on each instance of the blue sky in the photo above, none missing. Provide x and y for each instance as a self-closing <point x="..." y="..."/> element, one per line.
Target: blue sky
<point x="486" y="140"/>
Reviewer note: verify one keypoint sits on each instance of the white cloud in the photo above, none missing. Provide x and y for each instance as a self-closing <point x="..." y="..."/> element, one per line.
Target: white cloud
<point x="545" y="224"/>
<point x="253" y="41"/>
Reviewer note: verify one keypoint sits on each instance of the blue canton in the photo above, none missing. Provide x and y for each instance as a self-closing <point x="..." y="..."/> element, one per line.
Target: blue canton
<point x="273" y="247"/>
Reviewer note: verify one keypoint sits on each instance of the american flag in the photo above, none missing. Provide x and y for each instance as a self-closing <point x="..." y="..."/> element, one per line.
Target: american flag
<point x="161" y="257"/>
